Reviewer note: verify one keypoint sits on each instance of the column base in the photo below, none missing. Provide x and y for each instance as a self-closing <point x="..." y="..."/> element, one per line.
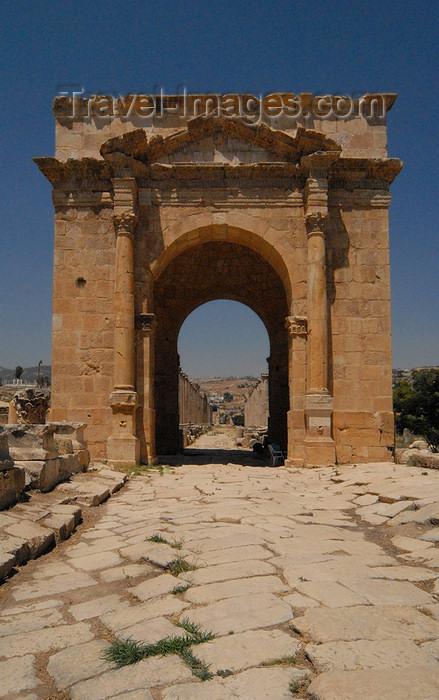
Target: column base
<point x="123" y="451"/>
<point x="319" y="447"/>
<point x="123" y="447"/>
<point x="319" y="452"/>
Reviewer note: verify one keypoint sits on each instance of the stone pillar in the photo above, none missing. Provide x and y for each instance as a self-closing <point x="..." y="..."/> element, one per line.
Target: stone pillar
<point x="123" y="445"/>
<point x="319" y="444"/>
<point x="145" y="329"/>
<point x="297" y="327"/>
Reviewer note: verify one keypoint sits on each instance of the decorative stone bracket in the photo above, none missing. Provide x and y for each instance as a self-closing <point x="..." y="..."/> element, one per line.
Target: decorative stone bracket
<point x="297" y="326"/>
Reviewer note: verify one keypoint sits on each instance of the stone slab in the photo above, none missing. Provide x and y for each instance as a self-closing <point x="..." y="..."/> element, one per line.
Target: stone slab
<point x="385" y="592"/>
<point x="17" y="675"/>
<point x="253" y="684"/>
<point x="156" y="586"/>
<point x="151" y="631"/>
<point x="366" y="622"/>
<point x="120" y="619"/>
<point x="211" y="592"/>
<point x="410" y="683"/>
<point x="93" y="562"/>
<point x="45" y="639"/>
<point x="431" y="535"/>
<point x="224" y="556"/>
<point x="145" y="674"/>
<point x="331" y="594"/>
<point x="232" y="570"/>
<point x="78" y="662"/>
<point x="431" y="648"/>
<point x="97" y="607"/>
<point x="58" y="584"/>
<point x="37" y="538"/>
<point x="127" y="571"/>
<point x="242" y="613"/>
<point x="426" y="514"/>
<point x="239" y="651"/>
<point x="363" y="653"/>
<point x="29" y="621"/>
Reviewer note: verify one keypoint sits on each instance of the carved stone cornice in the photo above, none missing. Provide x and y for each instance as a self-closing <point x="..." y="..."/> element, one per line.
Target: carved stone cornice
<point x="316" y="222"/>
<point x="145" y="322"/>
<point x="320" y="161"/>
<point x="297" y="326"/>
<point x="125" y="222"/>
<point x="135" y="144"/>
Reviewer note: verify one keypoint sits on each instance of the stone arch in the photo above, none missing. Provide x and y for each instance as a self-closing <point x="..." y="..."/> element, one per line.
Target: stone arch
<point x="228" y="226"/>
<point x="235" y="271"/>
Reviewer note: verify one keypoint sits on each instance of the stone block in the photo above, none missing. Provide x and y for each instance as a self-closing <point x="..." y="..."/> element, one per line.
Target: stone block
<point x="37" y="538"/>
<point x="43" y="475"/>
<point x="12" y="484"/>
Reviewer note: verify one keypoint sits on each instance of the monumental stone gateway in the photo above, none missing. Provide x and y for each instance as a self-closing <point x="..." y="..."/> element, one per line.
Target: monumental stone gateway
<point x="165" y="203"/>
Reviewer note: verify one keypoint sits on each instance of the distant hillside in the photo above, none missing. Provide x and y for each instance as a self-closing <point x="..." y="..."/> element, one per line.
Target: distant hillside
<point x="238" y="387"/>
<point x="29" y="373"/>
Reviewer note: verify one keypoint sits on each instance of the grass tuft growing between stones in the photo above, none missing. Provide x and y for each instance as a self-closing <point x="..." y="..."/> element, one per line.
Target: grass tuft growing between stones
<point x="179" y="566"/>
<point x="197" y="666"/>
<point x="124" y="652"/>
<point x="300" y="685"/>
<point x="157" y="537"/>
<point x="180" y="589"/>
<point x="195" y="631"/>
<point x="281" y="661"/>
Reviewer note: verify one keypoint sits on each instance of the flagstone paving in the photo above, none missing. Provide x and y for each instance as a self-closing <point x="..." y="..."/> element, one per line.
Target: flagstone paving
<point x="317" y="583"/>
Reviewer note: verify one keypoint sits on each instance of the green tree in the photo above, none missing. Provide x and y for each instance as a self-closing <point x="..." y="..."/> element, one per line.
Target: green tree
<point x="228" y="396"/>
<point x="416" y="405"/>
<point x="18" y="371"/>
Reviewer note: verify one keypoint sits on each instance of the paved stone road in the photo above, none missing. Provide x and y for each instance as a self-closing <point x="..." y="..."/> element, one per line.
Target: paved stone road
<point x="326" y="575"/>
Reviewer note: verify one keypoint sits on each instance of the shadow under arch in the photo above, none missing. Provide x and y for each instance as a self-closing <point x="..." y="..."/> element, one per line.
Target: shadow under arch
<point x="204" y="271"/>
<point x="256" y="239"/>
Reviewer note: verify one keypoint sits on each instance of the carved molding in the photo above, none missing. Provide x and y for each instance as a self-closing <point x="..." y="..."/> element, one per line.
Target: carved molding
<point x="145" y="322"/>
<point x="125" y="222"/>
<point x="297" y="325"/>
<point x="316" y="222"/>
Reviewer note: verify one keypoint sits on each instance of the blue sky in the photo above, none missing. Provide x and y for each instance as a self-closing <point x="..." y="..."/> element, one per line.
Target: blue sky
<point x="259" y="47"/>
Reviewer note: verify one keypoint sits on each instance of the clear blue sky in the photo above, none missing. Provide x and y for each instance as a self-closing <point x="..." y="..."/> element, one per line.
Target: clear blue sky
<point x="258" y="47"/>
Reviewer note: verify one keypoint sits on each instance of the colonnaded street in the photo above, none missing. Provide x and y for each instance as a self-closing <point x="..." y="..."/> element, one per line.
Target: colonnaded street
<point x="319" y="583"/>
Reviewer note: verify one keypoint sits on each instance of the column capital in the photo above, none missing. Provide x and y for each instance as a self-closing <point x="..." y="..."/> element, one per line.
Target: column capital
<point x="145" y="322"/>
<point x="125" y="222"/>
<point x="316" y="222"/>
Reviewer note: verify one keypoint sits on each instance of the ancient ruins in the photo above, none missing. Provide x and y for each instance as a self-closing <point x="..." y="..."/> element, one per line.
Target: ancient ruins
<point x="157" y="215"/>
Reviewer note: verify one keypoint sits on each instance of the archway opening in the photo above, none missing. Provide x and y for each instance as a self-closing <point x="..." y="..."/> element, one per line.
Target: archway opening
<point x="223" y="348"/>
<point x="212" y="271"/>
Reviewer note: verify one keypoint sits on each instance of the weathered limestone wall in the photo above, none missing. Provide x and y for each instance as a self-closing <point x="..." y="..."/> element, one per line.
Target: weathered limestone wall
<point x="256" y="405"/>
<point x="193" y="405"/>
<point x="83" y="318"/>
